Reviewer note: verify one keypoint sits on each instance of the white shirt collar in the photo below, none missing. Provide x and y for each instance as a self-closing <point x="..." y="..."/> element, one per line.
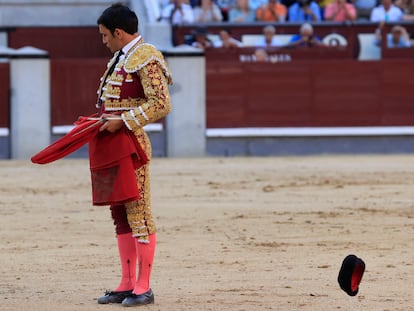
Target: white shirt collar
<point x="129" y="45"/>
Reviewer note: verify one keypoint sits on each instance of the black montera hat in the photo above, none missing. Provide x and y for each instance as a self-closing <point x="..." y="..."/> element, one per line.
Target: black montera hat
<point x="350" y="274"/>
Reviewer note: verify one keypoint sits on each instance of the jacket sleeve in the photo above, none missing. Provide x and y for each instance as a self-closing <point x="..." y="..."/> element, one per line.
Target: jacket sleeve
<point x="157" y="102"/>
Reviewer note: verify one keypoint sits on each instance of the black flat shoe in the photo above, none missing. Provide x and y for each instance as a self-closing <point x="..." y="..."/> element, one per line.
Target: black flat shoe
<point x="114" y="297"/>
<point x="137" y="300"/>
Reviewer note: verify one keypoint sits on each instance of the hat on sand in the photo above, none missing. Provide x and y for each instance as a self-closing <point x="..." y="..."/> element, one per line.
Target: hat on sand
<point x="350" y="274"/>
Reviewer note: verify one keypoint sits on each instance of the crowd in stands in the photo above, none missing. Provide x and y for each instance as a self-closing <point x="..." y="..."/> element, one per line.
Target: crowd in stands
<point x="248" y="11"/>
<point x="304" y="12"/>
<point x="398" y="37"/>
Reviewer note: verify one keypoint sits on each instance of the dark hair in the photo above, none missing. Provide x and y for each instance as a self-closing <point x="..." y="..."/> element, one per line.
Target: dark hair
<point x="303" y="3"/>
<point x="119" y="16"/>
<point x="201" y="31"/>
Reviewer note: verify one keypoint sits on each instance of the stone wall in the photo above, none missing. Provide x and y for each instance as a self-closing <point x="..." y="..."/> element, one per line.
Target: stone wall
<point x="51" y="12"/>
<point x="56" y="13"/>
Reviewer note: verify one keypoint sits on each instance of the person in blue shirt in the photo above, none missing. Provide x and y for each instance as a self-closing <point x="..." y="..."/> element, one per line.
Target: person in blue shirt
<point x="305" y="37"/>
<point x="397" y="38"/>
<point x="255" y="4"/>
<point x="242" y="13"/>
<point x="304" y="11"/>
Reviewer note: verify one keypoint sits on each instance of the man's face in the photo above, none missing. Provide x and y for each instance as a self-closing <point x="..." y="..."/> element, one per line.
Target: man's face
<point x="396" y="34"/>
<point x="224" y="35"/>
<point x="386" y="3"/>
<point x="268" y="34"/>
<point x="306" y="33"/>
<point x="111" y="41"/>
<point x="201" y="38"/>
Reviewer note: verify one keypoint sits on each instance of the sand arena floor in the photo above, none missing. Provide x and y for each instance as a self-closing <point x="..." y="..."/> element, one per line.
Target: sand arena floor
<point x="233" y="234"/>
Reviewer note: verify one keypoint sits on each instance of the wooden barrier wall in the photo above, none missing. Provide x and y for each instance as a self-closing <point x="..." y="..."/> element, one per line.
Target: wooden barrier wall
<point x="61" y="42"/>
<point x="74" y="86"/>
<point x="4" y="95"/>
<point x="315" y="91"/>
<point x="349" y="31"/>
<point x="309" y="93"/>
<point x="78" y="58"/>
<point x="85" y="42"/>
<point x="316" y="88"/>
<point x="321" y="29"/>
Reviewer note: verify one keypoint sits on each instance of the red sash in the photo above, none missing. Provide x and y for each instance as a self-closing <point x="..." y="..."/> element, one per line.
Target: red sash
<point x="114" y="157"/>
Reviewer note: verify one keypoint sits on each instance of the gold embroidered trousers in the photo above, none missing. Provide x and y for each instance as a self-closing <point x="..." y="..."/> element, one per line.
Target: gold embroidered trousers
<point x="138" y="213"/>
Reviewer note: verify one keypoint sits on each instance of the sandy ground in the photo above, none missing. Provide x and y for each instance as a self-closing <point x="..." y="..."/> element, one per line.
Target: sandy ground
<point x="233" y="234"/>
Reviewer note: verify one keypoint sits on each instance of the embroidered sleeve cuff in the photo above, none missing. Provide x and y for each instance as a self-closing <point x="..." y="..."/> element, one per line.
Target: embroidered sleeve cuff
<point x="142" y="113"/>
<point x="130" y="121"/>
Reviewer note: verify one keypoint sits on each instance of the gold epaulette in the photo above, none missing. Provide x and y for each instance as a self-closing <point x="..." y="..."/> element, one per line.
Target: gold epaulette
<point x="141" y="55"/>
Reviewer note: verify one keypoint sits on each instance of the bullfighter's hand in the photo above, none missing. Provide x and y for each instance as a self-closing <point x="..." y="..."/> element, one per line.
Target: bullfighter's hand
<point x="111" y="125"/>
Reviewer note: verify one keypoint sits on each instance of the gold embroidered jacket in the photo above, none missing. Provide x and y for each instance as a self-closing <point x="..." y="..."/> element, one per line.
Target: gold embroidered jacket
<point x="138" y="87"/>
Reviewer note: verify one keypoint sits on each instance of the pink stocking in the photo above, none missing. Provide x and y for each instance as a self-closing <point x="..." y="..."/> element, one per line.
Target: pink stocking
<point x="145" y="253"/>
<point x="128" y="257"/>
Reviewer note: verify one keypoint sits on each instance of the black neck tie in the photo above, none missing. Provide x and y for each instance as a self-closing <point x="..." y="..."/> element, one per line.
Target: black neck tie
<point x="110" y="71"/>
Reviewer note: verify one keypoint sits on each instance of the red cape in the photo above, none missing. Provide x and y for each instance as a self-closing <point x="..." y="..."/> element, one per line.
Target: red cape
<point x="113" y="157"/>
<point x="81" y="134"/>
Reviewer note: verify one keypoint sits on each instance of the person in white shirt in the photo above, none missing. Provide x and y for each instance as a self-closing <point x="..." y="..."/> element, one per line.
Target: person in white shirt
<point x="386" y="12"/>
<point x="226" y="40"/>
<point x="178" y="12"/>
<point x="207" y="11"/>
<point x="268" y="38"/>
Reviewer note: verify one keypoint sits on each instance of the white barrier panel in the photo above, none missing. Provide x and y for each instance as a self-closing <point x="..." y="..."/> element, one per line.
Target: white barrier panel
<point x="186" y="123"/>
<point x="257" y="132"/>
<point x="30" y="102"/>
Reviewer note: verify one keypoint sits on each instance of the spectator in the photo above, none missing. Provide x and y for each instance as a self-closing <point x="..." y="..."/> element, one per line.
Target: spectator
<point x="225" y="7"/>
<point x="242" y="13"/>
<point x="261" y="56"/>
<point x="364" y="8"/>
<point x="397" y="38"/>
<point x="163" y="3"/>
<point x="193" y="3"/>
<point x="305" y="37"/>
<point x="255" y="4"/>
<point x="272" y="11"/>
<point x="207" y="11"/>
<point x="178" y="12"/>
<point x="407" y="7"/>
<point x="386" y="12"/>
<point x="340" y="11"/>
<point x="289" y="3"/>
<point x="304" y="11"/>
<point x="268" y="38"/>
<point x="201" y="40"/>
<point x="226" y="40"/>
<point x="323" y="4"/>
